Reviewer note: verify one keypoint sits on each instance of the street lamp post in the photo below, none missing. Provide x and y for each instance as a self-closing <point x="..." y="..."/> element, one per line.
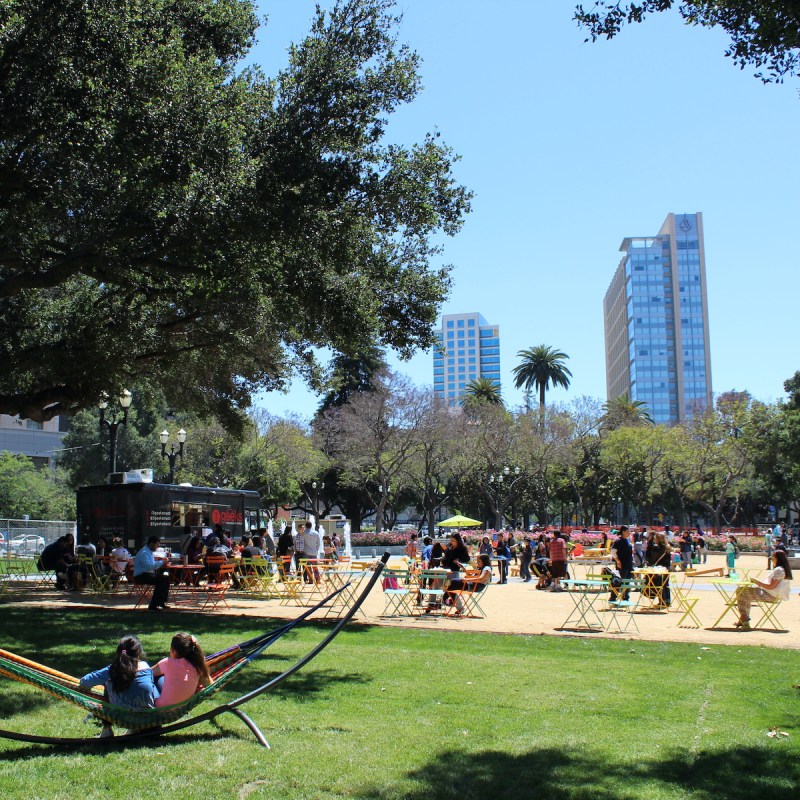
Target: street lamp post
<point x="113" y="424"/>
<point x="496" y="482"/>
<point x="317" y="487"/>
<point x="173" y="454"/>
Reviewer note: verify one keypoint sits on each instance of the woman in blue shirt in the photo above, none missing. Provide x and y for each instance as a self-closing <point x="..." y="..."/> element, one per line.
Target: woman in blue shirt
<point x="128" y="679"/>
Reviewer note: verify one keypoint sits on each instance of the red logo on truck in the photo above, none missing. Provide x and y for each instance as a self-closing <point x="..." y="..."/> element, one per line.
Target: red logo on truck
<point x="227" y="516"/>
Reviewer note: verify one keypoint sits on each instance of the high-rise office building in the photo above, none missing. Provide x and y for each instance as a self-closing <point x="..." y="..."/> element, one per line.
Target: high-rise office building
<point x="656" y="322"/>
<point x="468" y="348"/>
<point x="40" y="441"/>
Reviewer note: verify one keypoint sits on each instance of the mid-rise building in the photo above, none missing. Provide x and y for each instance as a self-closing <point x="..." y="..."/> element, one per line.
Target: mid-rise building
<point x="39" y="441"/>
<point x="468" y="347"/>
<point x="656" y="322"/>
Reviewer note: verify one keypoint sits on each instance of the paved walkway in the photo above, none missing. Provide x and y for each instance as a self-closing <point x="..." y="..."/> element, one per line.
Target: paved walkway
<point x="517" y="608"/>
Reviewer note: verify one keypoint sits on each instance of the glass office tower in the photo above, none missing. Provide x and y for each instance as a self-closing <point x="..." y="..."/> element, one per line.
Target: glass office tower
<point x="656" y="322"/>
<point x="468" y="347"/>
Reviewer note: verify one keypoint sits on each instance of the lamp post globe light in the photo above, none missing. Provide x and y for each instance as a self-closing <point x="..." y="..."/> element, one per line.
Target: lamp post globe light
<point x="173" y="454"/>
<point x="112" y="426"/>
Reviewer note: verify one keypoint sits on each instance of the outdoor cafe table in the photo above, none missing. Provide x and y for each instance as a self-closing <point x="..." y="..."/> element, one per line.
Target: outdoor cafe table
<point x="584" y="595"/>
<point x="182" y="577"/>
<point x="656" y="579"/>
<point x="349" y="582"/>
<point x="726" y="588"/>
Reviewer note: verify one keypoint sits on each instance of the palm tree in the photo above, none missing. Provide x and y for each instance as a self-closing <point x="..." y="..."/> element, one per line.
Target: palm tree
<point x="540" y="367"/>
<point x="481" y="390"/>
<point x="622" y="412"/>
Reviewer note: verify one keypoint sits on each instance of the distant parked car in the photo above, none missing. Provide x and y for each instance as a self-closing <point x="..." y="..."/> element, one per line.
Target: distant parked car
<point x="28" y="545"/>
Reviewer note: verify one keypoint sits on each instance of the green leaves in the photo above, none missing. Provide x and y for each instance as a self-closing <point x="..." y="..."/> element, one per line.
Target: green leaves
<point x="163" y="215"/>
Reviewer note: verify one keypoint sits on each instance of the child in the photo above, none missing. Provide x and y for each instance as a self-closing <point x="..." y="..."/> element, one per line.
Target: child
<point x="184" y="671"/>
<point x="128" y="680"/>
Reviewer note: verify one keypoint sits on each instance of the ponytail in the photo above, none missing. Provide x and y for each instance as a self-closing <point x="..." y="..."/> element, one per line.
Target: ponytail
<point x="125" y="665"/>
<point x="186" y="646"/>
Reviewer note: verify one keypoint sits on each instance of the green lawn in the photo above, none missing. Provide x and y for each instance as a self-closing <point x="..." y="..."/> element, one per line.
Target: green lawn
<point x="415" y="714"/>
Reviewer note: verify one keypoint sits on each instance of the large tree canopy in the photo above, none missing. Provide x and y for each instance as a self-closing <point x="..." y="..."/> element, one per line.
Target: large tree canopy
<point x="765" y="34"/>
<point x="166" y="215"/>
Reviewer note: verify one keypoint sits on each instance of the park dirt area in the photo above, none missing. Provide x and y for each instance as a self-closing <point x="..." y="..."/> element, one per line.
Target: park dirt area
<point x="518" y="608"/>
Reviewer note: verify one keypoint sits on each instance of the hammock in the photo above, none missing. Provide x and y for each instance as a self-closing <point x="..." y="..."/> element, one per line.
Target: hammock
<point x="223" y="666"/>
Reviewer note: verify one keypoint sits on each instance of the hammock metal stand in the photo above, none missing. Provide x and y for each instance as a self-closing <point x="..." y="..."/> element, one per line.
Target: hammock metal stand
<point x="232" y="707"/>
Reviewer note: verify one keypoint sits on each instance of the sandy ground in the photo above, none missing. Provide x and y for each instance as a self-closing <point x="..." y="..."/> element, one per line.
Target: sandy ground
<point x="517" y="608"/>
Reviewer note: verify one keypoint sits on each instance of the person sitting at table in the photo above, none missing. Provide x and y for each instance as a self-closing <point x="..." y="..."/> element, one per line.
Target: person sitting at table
<point x="245" y="541"/>
<point x="149" y="570"/>
<point x="776" y="587"/>
<point x="182" y="673"/>
<point x="658" y="554"/>
<point x="120" y="558"/>
<point x="127" y="680"/>
<point x="486" y="548"/>
<point x="455" y="559"/>
<point x="622" y="552"/>
<point x="437" y="554"/>
<point x="57" y="557"/>
<point x="78" y="571"/>
<point x="253" y="548"/>
<point x="476" y="584"/>
<point x="194" y="552"/>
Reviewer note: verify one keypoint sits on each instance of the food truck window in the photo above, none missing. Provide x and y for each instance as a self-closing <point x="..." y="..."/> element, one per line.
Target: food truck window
<point x="251" y="520"/>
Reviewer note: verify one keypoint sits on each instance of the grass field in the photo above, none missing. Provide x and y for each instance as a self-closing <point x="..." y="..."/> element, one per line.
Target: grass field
<point x="417" y="714"/>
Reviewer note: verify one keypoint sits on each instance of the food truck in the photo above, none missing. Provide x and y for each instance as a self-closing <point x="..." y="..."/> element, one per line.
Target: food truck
<point x="136" y="511"/>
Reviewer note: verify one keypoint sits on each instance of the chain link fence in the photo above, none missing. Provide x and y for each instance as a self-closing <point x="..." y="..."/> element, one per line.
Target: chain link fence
<point x="28" y="537"/>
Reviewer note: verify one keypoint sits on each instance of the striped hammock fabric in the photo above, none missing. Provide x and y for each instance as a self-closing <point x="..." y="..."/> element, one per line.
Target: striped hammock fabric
<point x="223" y="666"/>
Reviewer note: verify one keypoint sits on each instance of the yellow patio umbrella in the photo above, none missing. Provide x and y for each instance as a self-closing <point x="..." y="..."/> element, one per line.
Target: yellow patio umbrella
<point x="460" y="522"/>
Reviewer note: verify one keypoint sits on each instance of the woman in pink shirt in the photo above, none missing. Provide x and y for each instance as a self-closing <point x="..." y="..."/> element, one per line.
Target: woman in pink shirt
<point x="183" y="672"/>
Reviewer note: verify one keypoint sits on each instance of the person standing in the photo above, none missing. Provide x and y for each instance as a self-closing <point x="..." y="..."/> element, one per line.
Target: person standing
<point x="702" y="548"/>
<point x="731" y="551"/>
<point x="622" y="551"/>
<point x="526" y="556"/>
<point x="768" y="545"/>
<point x="558" y="561"/>
<point x="639" y="548"/>
<point x="311" y="542"/>
<point x="503" y="557"/>
<point x="149" y="569"/>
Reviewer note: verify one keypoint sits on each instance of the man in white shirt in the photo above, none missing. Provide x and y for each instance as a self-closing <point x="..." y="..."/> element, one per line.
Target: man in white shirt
<point x="311" y="542"/>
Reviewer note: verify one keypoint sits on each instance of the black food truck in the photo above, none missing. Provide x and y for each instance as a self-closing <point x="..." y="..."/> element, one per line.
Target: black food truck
<point x="136" y="511"/>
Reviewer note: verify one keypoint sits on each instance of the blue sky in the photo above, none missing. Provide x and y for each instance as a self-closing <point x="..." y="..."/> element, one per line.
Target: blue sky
<point x="570" y="147"/>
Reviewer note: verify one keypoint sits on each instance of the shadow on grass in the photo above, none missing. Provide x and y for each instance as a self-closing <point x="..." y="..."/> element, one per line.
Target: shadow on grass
<point x="68" y="748"/>
<point x="13" y="704"/>
<point x="308" y="685"/>
<point x="76" y="640"/>
<point x="550" y="774"/>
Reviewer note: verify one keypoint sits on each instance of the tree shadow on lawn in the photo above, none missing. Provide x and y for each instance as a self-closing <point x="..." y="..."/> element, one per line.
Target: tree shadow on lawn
<point x="741" y="773"/>
<point x="91" y="635"/>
